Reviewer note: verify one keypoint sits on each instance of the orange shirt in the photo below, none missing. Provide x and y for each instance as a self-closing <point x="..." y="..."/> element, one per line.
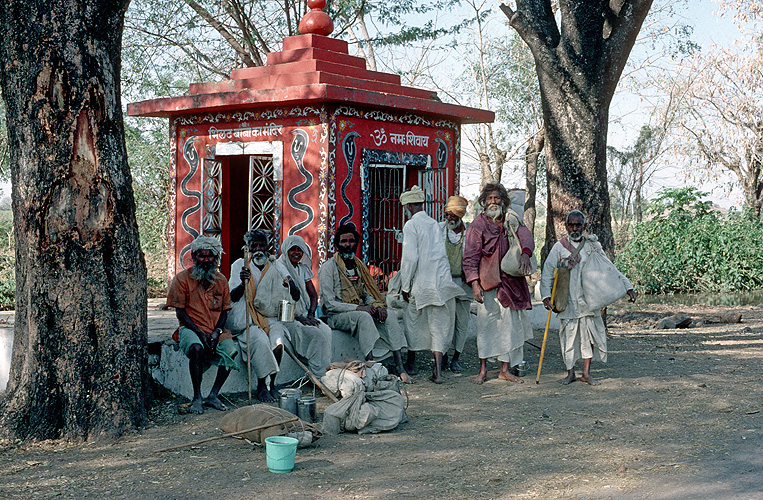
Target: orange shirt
<point x="203" y="306"/>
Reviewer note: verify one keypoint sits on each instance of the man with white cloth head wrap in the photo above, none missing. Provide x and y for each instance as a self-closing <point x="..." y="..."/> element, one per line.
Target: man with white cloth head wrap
<point x="426" y="283"/>
<point x="310" y="336"/>
<point x="582" y="334"/>
<point x="352" y="301"/>
<point x="266" y="286"/>
<point x="453" y="229"/>
<point x="503" y="326"/>
<point x="201" y="300"/>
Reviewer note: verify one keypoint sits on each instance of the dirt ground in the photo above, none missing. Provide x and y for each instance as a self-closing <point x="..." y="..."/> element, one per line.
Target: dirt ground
<point x="676" y="412"/>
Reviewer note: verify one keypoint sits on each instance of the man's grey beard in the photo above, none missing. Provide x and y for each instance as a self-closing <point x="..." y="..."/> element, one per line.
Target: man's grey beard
<point x="576" y="236"/>
<point x="260" y="258"/>
<point x="454" y="224"/>
<point x="347" y="255"/>
<point x="200" y="274"/>
<point x="494" y="211"/>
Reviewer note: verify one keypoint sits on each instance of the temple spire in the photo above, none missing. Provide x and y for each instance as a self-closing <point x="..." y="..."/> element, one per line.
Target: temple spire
<point x="316" y="22"/>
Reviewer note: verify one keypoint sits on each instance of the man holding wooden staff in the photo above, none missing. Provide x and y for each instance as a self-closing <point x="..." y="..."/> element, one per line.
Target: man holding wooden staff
<point x="582" y="333"/>
<point x="265" y="333"/>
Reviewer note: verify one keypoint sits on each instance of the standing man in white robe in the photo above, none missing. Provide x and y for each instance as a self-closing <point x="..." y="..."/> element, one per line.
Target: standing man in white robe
<point x="582" y="333"/>
<point x="426" y="283"/>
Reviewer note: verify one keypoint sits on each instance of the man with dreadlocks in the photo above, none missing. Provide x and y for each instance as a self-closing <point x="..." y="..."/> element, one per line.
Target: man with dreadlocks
<point x="201" y="300"/>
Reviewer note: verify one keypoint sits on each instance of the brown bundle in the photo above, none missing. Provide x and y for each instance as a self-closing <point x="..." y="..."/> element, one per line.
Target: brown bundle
<point x="255" y="416"/>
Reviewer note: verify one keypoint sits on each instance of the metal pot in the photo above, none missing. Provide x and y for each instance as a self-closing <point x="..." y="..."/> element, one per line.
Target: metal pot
<point x="306" y="408"/>
<point x="288" y="399"/>
<point x="286" y="311"/>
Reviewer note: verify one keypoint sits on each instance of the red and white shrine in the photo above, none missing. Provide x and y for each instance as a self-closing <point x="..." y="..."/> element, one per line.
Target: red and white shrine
<point x="307" y="142"/>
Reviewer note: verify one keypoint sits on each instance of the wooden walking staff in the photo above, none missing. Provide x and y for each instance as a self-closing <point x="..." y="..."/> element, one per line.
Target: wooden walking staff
<point x="548" y="322"/>
<point x="246" y="308"/>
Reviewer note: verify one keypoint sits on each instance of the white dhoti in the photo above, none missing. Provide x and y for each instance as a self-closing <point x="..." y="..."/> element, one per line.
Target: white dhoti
<point x="583" y="338"/>
<point x="360" y="324"/>
<point x="312" y="342"/>
<point x="501" y="331"/>
<point x="434" y="327"/>
<point x="261" y="350"/>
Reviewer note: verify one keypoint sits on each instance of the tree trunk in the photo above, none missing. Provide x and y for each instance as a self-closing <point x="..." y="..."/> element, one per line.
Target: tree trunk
<point x="79" y="367"/>
<point x="532" y="154"/>
<point x="639" y="188"/>
<point x="576" y="174"/>
<point x="579" y="57"/>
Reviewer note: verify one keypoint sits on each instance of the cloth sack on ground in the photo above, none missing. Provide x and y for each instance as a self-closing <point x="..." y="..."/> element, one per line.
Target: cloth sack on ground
<point x="346" y="378"/>
<point x="600" y="280"/>
<point x="255" y="416"/>
<point x="380" y="409"/>
<point x="343" y="382"/>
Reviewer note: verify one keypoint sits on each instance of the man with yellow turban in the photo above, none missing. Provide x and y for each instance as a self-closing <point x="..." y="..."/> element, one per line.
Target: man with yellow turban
<point x="453" y="229"/>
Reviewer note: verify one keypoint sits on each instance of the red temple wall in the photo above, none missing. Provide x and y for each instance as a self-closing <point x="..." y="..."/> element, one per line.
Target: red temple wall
<point x="309" y="200"/>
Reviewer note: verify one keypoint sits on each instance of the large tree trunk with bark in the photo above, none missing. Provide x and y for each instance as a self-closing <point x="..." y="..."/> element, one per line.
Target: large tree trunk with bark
<point x="579" y="63"/>
<point x="79" y="366"/>
<point x="576" y="172"/>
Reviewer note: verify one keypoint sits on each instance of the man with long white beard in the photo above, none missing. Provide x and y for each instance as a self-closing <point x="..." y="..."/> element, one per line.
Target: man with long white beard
<point x="265" y="287"/>
<point x="426" y="283"/>
<point x="453" y="229"/>
<point x="503" y="325"/>
<point x="201" y="300"/>
<point x="582" y="334"/>
<point x="352" y="302"/>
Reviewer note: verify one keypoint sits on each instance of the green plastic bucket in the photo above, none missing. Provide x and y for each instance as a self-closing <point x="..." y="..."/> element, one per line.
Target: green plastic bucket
<point x="280" y="452"/>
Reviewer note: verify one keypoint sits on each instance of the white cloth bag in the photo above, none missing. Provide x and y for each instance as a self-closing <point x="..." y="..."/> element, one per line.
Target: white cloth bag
<point x="602" y="283"/>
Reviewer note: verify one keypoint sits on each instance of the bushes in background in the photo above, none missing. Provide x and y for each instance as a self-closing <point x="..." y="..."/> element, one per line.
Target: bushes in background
<point x="685" y="247"/>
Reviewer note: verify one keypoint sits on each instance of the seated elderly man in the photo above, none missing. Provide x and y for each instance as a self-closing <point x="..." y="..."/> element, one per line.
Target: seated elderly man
<point x="264" y="285"/>
<point x="352" y="301"/>
<point x="310" y="336"/>
<point x="201" y="300"/>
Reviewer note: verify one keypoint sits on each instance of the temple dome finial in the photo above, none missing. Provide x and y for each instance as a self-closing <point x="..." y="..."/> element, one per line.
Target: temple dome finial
<point x="316" y="22"/>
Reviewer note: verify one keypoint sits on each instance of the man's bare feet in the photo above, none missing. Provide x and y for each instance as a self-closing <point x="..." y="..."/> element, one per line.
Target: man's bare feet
<point x="480" y="379"/>
<point x="436" y="380"/>
<point x="197" y="406"/>
<point x="570" y="378"/>
<point x="410" y="369"/>
<point x="456" y="367"/>
<point x="264" y="395"/>
<point x="405" y="378"/>
<point x="215" y="403"/>
<point x="588" y="379"/>
<point x="509" y="377"/>
<point x="274" y="392"/>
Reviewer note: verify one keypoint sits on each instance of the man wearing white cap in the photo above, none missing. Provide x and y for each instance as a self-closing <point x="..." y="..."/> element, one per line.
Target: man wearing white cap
<point x="426" y="283"/>
<point x="453" y="228"/>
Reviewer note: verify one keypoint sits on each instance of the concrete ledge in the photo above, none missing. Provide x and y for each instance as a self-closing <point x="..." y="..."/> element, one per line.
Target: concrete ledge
<point x="169" y="366"/>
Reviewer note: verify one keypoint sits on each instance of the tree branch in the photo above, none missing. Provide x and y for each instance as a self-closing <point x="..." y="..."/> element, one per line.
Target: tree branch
<point x="218" y="26"/>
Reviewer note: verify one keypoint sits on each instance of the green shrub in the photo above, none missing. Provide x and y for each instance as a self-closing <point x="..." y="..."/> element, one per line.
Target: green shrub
<point x="687" y="247"/>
